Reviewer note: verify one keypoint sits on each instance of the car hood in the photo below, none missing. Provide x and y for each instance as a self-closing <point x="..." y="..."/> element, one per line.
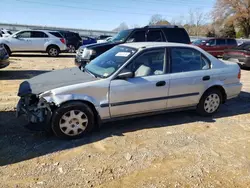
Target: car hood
<point x="101" y="45"/>
<point x="53" y="80"/>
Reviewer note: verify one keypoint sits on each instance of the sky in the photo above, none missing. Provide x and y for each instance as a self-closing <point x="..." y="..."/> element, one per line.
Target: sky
<point x="97" y="14"/>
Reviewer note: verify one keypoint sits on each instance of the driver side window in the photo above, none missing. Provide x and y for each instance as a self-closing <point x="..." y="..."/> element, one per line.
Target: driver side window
<point x="148" y="64"/>
<point x="138" y="36"/>
<point x="25" y="34"/>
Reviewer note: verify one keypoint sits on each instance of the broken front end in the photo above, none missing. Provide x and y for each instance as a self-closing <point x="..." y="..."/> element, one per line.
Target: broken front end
<point x="35" y="108"/>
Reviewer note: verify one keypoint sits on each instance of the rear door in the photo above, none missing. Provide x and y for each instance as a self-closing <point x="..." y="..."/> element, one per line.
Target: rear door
<point x="190" y="76"/>
<point x="231" y="43"/>
<point x="38" y="40"/>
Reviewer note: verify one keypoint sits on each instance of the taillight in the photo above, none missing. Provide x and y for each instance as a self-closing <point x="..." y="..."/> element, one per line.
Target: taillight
<point x="63" y="41"/>
<point x="239" y="75"/>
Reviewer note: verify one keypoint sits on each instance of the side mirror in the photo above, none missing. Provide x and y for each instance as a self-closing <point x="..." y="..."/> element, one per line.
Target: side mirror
<point x="125" y="74"/>
<point x="208" y="44"/>
<point x="15" y="36"/>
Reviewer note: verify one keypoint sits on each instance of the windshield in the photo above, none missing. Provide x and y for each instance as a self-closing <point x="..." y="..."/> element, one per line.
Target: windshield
<point x="121" y="36"/>
<point x="199" y="42"/>
<point x="244" y="46"/>
<point x="109" y="62"/>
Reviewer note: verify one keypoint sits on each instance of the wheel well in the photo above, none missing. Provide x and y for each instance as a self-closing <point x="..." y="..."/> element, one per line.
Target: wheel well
<point x="6" y="47"/>
<point x="52" y="45"/>
<point x="97" y="118"/>
<point x="222" y="90"/>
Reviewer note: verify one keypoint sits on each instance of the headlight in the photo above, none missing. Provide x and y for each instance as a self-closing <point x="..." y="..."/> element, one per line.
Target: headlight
<point x="87" y="53"/>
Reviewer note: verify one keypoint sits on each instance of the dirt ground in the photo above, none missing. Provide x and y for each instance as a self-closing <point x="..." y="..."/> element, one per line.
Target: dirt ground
<point x="170" y="150"/>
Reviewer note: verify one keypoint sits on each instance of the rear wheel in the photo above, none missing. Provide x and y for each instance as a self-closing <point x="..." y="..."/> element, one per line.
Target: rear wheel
<point x="73" y="120"/>
<point x="210" y="102"/>
<point x="53" y="51"/>
<point x="72" y="48"/>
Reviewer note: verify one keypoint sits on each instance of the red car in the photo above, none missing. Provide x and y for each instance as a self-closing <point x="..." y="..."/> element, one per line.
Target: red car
<point x="216" y="46"/>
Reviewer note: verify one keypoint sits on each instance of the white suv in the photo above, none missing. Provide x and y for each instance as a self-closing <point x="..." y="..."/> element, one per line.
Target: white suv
<point x="51" y="42"/>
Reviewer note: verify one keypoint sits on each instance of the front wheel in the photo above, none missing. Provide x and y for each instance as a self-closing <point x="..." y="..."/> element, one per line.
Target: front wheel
<point x="72" y="120"/>
<point x="210" y="102"/>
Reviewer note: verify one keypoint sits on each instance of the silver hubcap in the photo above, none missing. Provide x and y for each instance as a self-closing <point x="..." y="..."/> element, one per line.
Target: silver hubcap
<point x="72" y="49"/>
<point x="53" y="52"/>
<point x="73" y="123"/>
<point x="212" y="103"/>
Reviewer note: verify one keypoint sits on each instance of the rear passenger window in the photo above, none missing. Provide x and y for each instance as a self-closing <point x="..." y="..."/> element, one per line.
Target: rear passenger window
<point x="187" y="59"/>
<point x="155" y="36"/>
<point x="38" y="34"/>
<point x="178" y="35"/>
<point x="231" y="42"/>
<point x="138" y="36"/>
<point x="220" y="42"/>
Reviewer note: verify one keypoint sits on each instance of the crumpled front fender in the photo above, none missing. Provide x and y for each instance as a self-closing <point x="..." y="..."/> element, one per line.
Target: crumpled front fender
<point x="60" y="99"/>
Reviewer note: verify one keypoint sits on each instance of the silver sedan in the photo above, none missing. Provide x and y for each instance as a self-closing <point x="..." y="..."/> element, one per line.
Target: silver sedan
<point x="128" y="80"/>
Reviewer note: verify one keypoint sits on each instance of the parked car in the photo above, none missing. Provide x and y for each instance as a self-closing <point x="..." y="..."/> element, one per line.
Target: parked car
<point x="88" y="40"/>
<point x="104" y="40"/>
<point x="128" y="80"/>
<point x="216" y="46"/>
<point x="4" y="57"/>
<point x="149" y="33"/>
<point x="51" y="42"/>
<point x="239" y="54"/>
<point x="5" y="33"/>
<point x="74" y="41"/>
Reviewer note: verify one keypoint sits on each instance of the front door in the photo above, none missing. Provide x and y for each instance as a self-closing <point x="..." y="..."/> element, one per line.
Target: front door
<point x="147" y="91"/>
<point x="189" y="78"/>
<point x="21" y="42"/>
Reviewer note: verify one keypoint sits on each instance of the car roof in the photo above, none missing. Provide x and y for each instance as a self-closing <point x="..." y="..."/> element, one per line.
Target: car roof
<point x="39" y="30"/>
<point x="138" y="45"/>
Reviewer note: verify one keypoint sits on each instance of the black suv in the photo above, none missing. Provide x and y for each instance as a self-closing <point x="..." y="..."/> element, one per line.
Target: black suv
<point x="74" y="41"/>
<point x="167" y="33"/>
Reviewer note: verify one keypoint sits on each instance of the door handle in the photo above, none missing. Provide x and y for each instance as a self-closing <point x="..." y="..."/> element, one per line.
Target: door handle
<point x="160" y="83"/>
<point x="205" y="78"/>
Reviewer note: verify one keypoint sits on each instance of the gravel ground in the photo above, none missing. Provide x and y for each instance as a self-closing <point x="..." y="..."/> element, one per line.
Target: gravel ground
<point x="171" y="150"/>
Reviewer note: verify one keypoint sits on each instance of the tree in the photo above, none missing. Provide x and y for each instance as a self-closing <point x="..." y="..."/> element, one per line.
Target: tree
<point x="122" y="26"/>
<point x="197" y="19"/>
<point x="228" y="31"/>
<point x="157" y="19"/>
<point x="234" y="11"/>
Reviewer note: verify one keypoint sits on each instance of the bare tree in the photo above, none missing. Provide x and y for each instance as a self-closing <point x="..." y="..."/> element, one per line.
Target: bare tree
<point x="196" y="19"/>
<point x="122" y="26"/>
<point x="234" y="11"/>
<point x="158" y="19"/>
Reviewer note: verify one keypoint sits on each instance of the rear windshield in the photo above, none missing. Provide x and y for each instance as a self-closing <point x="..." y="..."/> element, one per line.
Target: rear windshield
<point x="178" y="35"/>
<point x="56" y="34"/>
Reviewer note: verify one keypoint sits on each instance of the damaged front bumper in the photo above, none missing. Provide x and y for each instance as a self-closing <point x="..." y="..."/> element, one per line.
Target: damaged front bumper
<point x="35" y="110"/>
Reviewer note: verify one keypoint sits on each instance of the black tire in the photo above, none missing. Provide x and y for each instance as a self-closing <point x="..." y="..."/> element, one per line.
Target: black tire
<point x="8" y="50"/>
<point x="72" y="48"/>
<point x="67" y="108"/>
<point x="202" y="110"/>
<point x="53" y="51"/>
